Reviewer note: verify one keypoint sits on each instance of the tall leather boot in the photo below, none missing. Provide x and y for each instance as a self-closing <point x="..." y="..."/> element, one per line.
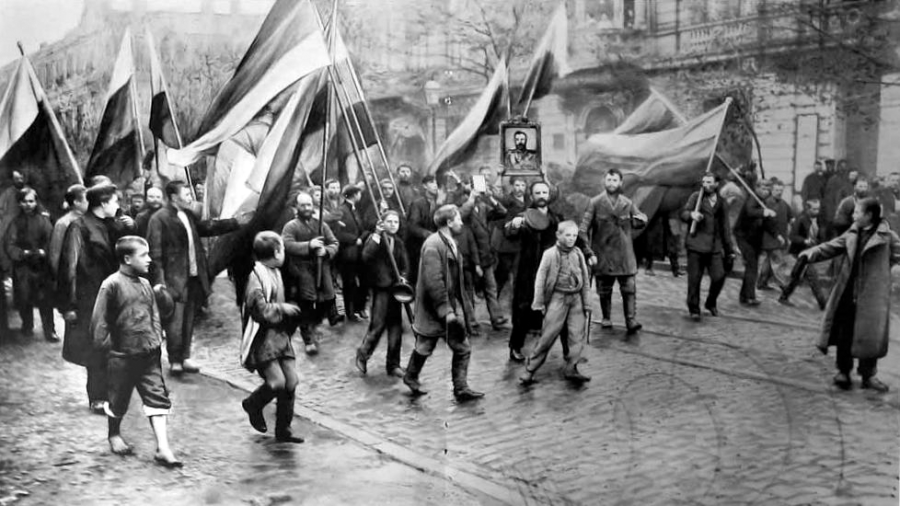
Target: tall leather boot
<point x="629" y="303"/>
<point x="460" y="371"/>
<point x="254" y="405"/>
<point x="676" y="267"/>
<point x="606" y="308"/>
<point x="411" y="378"/>
<point x="284" y="415"/>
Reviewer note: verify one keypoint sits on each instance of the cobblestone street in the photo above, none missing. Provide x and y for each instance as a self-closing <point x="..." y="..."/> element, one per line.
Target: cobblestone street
<point x="734" y="410"/>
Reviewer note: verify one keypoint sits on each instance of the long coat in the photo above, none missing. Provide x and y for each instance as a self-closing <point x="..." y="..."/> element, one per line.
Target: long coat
<point x="534" y="243"/>
<point x="88" y="258"/>
<point x="350" y="229"/>
<point x="712" y="233"/>
<point x="302" y="263"/>
<point x="873" y="287"/>
<point x="439" y="287"/>
<point x="606" y="227"/>
<point x="31" y="272"/>
<point x="169" y="249"/>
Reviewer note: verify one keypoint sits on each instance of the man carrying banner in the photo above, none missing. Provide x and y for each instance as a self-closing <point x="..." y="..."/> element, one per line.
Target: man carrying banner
<point x="606" y="235"/>
<point x="179" y="264"/>
<point x="709" y="248"/>
<point x="310" y="282"/>
<point x="753" y="221"/>
<point x="351" y="235"/>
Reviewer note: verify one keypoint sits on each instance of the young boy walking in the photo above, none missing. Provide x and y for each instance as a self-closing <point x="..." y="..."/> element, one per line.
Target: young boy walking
<point x="269" y="322"/>
<point x="386" y="314"/>
<point x="561" y="294"/>
<point x="126" y="324"/>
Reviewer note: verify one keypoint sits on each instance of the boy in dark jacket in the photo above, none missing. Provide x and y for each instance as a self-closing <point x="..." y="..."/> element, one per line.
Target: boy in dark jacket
<point x="386" y="314"/>
<point x="126" y="324"/>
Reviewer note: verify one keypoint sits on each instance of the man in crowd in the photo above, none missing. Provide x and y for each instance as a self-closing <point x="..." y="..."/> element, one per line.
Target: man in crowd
<point x="406" y="189"/>
<point x="606" y="234"/>
<point x="774" y="246"/>
<point x="534" y="236"/>
<point x="814" y="183"/>
<point x="88" y="258"/>
<point x="179" y="264"/>
<point x="807" y="231"/>
<point x="9" y="208"/>
<point x="27" y="242"/>
<point x="753" y="221"/>
<point x="890" y="200"/>
<point x="843" y="217"/>
<point x="440" y="308"/>
<point x="135" y="204"/>
<point x="839" y="186"/>
<point x="709" y="247"/>
<point x="351" y="235"/>
<point x="505" y="245"/>
<point x="154" y="203"/>
<point x="420" y="222"/>
<point x="76" y="199"/>
<point x="310" y="282"/>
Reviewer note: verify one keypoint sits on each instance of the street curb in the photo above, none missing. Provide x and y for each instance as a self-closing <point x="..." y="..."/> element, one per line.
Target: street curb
<point x="428" y="465"/>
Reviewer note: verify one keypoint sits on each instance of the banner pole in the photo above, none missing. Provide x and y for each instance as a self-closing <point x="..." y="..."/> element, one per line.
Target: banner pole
<point x="712" y="156"/>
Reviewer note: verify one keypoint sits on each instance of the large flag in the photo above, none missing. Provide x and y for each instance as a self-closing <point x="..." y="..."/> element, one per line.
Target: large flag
<point x="674" y="157"/>
<point x="483" y="119"/>
<point x="31" y="140"/>
<point x="654" y="114"/>
<point x="117" y="150"/>
<point x="550" y="59"/>
<point x="162" y="117"/>
<point x="290" y="45"/>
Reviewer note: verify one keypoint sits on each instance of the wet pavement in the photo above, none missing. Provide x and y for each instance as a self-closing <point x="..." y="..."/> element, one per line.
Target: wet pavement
<point x="54" y="452"/>
<point x="734" y="410"/>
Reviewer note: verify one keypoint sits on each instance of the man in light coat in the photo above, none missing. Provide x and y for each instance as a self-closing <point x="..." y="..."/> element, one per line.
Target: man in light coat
<point x="857" y="317"/>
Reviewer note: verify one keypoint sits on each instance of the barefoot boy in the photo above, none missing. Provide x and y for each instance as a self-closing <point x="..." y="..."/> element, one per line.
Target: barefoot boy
<point x="126" y="324"/>
<point x="561" y="294"/>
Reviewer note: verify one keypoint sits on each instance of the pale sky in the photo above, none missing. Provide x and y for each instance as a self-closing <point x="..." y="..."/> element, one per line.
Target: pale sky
<point x="33" y="22"/>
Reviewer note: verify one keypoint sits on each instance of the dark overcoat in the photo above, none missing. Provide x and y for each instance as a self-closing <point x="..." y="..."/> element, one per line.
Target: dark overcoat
<point x="711" y="234"/>
<point x="32" y="279"/>
<point x="439" y="287"/>
<point x="533" y="244"/>
<point x="302" y="263"/>
<point x="606" y="227"/>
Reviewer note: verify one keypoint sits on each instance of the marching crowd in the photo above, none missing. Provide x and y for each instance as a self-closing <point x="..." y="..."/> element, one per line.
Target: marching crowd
<point x="129" y="280"/>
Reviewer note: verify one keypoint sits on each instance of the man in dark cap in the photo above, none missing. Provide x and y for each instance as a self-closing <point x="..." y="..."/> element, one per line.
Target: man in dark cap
<point x="351" y="235"/>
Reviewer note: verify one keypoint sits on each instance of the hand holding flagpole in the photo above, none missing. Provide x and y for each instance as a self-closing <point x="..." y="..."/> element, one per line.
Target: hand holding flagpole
<point x="709" y="163"/>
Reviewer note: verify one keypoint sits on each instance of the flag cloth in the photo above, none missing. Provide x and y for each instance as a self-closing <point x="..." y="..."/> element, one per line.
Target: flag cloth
<point x="654" y="114"/>
<point x="117" y="149"/>
<point x="290" y="45"/>
<point x="31" y="140"/>
<point x="483" y="119"/>
<point x="550" y="59"/>
<point x="162" y="117"/>
<point x="267" y="184"/>
<point x="674" y="157"/>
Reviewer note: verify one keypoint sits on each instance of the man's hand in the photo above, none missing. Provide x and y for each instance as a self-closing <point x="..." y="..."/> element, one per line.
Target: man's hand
<point x="317" y="245"/>
<point x="359" y="242"/>
<point x="290" y="310"/>
<point x="518" y="221"/>
<point x="452" y="318"/>
<point x="592" y="261"/>
<point x="697" y="216"/>
<point x="768" y="213"/>
<point x="804" y="255"/>
<point x="70" y="316"/>
<point x="126" y="220"/>
<point x="479" y="271"/>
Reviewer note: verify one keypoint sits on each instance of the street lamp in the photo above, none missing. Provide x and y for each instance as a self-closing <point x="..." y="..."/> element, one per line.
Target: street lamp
<point x="433" y="99"/>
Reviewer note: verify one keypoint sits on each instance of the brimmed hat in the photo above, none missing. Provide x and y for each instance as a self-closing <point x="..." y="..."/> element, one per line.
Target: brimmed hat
<point x="350" y="190"/>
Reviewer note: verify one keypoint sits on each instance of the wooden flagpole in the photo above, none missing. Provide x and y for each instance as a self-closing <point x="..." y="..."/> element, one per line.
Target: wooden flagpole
<point x="338" y="84"/>
<point x="710" y="161"/>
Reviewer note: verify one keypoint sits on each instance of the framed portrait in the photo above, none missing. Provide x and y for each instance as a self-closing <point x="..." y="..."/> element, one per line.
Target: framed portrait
<point x="520" y="148"/>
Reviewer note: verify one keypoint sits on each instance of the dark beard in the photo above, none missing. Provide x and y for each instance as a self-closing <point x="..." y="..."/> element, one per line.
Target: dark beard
<point x="615" y="191"/>
<point x="305" y="215"/>
<point x="540" y="203"/>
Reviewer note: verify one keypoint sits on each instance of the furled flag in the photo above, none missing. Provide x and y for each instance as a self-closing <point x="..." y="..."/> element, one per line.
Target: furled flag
<point x="32" y="142"/>
<point x="550" y="59"/>
<point x="117" y="150"/>
<point x="162" y="116"/>
<point x="290" y="45"/>
<point x="483" y="119"/>
<point x="674" y="157"/>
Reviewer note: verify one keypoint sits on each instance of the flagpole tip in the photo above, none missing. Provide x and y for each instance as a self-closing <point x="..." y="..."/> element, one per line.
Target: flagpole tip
<point x="21" y="48"/>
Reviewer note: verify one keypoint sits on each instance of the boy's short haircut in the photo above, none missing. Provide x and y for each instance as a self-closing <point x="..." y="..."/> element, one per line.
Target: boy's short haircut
<point x="329" y="182"/>
<point x="75" y="193"/>
<point x="390" y="212"/>
<point x="174" y="188"/>
<point x="775" y="181"/>
<point x="99" y="180"/>
<point x="100" y="194"/>
<point x="615" y="172"/>
<point x="566" y="225"/>
<point x="128" y="246"/>
<point x="265" y="244"/>
<point x="870" y="205"/>
<point x="427" y="179"/>
<point x="444" y="215"/>
<point x="25" y="192"/>
<point x="513" y="180"/>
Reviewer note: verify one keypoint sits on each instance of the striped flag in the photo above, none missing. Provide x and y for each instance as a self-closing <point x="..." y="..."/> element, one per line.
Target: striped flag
<point x="654" y="114"/>
<point x="290" y="45"/>
<point x="162" y="116"/>
<point x="550" y="59"/>
<point x="31" y="140"/>
<point x="117" y="150"/>
<point x="483" y="119"/>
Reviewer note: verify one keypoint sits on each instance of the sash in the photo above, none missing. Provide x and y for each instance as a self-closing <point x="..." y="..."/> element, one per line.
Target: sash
<point x="251" y="327"/>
